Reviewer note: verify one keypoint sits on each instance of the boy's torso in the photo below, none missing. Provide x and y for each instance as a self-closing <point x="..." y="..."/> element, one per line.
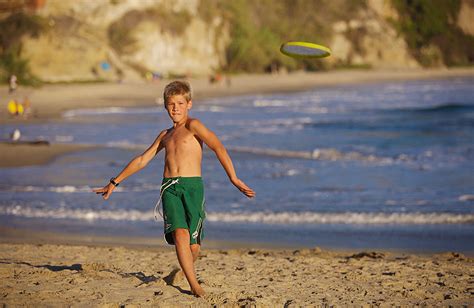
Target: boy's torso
<point x="183" y="153"/>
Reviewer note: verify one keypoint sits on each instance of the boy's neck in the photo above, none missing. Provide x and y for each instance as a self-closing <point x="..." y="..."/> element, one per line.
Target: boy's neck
<point x="180" y="123"/>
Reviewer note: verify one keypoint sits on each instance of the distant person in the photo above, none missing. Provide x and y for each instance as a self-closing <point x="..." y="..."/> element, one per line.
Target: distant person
<point x="13" y="84"/>
<point x="182" y="192"/>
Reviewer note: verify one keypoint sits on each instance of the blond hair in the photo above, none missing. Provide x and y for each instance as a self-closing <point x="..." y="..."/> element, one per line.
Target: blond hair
<point x="177" y="88"/>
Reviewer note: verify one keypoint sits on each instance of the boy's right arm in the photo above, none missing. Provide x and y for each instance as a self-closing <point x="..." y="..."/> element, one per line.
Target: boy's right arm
<point x="133" y="166"/>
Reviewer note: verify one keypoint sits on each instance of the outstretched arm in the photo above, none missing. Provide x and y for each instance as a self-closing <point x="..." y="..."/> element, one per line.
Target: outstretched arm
<point x="211" y="140"/>
<point x="133" y="166"/>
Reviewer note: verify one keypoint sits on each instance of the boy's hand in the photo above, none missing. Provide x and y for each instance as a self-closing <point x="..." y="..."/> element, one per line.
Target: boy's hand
<point x="249" y="192"/>
<point x="106" y="191"/>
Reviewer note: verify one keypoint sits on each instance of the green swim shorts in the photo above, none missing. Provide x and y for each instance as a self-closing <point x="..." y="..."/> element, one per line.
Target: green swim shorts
<point x="183" y="207"/>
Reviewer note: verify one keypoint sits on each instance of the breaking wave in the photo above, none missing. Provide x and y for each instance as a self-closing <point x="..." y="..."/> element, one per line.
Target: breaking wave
<point x="68" y="189"/>
<point x="318" y="154"/>
<point x="265" y="217"/>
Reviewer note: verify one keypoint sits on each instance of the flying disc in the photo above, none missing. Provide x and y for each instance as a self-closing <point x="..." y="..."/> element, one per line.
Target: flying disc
<point x="304" y="50"/>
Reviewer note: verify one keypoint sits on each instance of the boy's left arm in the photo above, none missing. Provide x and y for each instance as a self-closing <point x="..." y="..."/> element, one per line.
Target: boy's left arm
<point x="211" y="140"/>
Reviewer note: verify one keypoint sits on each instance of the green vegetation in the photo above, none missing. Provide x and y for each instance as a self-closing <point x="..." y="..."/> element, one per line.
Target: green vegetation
<point x="14" y="27"/>
<point x="430" y="30"/>
<point x="258" y="28"/>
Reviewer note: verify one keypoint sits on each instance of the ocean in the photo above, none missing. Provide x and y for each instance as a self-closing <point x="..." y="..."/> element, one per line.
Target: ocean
<point x="371" y="166"/>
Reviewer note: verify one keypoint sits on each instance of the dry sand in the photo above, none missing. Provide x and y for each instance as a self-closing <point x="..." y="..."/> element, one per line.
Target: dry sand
<point x="66" y="275"/>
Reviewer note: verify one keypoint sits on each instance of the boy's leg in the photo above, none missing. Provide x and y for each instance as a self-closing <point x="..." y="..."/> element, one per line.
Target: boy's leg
<point x="186" y="260"/>
<point x="195" y="248"/>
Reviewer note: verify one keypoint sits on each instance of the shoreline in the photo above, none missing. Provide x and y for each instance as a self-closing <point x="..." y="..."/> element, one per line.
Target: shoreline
<point x="21" y="234"/>
<point x="49" y="102"/>
<point x="19" y="155"/>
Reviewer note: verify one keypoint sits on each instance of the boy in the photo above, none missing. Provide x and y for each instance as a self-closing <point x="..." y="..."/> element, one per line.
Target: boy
<point x="182" y="189"/>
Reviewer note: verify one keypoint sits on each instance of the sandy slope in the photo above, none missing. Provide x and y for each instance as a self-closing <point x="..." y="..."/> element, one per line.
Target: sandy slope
<point x="64" y="275"/>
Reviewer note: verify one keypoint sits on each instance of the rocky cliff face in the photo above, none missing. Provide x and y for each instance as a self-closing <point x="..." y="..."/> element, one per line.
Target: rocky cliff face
<point x="104" y="39"/>
<point x="125" y="39"/>
<point x="368" y="39"/>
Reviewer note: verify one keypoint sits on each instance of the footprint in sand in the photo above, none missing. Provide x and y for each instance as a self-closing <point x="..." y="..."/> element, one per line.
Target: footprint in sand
<point x="175" y="277"/>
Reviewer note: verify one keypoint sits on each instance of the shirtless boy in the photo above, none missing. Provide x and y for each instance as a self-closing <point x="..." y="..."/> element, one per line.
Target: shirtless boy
<point x="182" y="189"/>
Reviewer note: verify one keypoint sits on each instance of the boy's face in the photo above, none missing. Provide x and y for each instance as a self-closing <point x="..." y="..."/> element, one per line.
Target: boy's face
<point x="178" y="107"/>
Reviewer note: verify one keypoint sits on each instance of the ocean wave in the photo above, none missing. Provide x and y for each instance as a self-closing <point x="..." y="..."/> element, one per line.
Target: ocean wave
<point x="109" y="110"/>
<point x="465" y="198"/>
<point x="68" y="189"/>
<point x="265" y="217"/>
<point x="448" y="107"/>
<point x="350" y="218"/>
<point x="441" y="108"/>
<point x="328" y="154"/>
<point x="78" y="214"/>
<point x="125" y="144"/>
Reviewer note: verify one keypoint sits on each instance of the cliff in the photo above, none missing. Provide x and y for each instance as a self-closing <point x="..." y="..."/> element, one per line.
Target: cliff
<point x="131" y="39"/>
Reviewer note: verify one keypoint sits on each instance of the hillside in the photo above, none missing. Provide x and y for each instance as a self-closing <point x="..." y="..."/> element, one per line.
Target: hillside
<point x="55" y="40"/>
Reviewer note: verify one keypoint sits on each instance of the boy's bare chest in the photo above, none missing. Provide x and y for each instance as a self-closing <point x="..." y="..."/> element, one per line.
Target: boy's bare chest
<point x="180" y="138"/>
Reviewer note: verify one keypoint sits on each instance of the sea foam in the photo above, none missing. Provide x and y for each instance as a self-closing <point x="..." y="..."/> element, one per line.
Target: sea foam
<point x="265" y="217"/>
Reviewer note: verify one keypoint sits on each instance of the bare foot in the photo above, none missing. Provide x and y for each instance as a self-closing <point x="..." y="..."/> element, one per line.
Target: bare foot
<point x="174" y="277"/>
<point x="198" y="291"/>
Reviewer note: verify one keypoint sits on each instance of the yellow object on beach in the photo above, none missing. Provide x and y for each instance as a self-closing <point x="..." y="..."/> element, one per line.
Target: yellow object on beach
<point x="12" y="107"/>
<point x="305" y="50"/>
<point x="15" y="108"/>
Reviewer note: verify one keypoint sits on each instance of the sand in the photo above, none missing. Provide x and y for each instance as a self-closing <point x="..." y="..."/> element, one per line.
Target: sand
<point x="16" y="155"/>
<point x="116" y="276"/>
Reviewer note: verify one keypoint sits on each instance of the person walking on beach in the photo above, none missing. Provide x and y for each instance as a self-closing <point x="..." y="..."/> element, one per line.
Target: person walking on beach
<point x="182" y="192"/>
<point x="12" y="84"/>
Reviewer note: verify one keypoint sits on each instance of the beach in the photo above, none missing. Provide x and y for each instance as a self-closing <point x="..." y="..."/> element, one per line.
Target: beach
<point x="126" y="275"/>
<point x="48" y="267"/>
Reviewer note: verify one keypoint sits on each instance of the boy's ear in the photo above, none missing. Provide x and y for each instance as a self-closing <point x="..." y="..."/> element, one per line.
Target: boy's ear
<point x="190" y="104"/>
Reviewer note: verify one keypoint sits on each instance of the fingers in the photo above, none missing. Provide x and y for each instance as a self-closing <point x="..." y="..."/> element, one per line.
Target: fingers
<point x="245" y="189"/>
<point x="105" y="192"/>
<point x="249" y="193"/>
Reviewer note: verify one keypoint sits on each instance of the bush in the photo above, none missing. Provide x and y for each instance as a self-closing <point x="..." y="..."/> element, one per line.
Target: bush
<point x="426" y="24"/>
<point x="14" y="27"/>
<point x="258" y="28"/>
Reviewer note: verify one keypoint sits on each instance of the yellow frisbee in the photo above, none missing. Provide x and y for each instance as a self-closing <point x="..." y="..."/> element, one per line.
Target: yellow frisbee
<point x="305" y="50"/>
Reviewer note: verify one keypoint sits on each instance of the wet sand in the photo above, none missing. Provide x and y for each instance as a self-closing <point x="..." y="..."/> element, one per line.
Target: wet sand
<point x="17" y="155"/>
<point x="114" y="276"/>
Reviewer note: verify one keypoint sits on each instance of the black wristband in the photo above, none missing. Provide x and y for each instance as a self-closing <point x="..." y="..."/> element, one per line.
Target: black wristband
<point x="112" y="180"/>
